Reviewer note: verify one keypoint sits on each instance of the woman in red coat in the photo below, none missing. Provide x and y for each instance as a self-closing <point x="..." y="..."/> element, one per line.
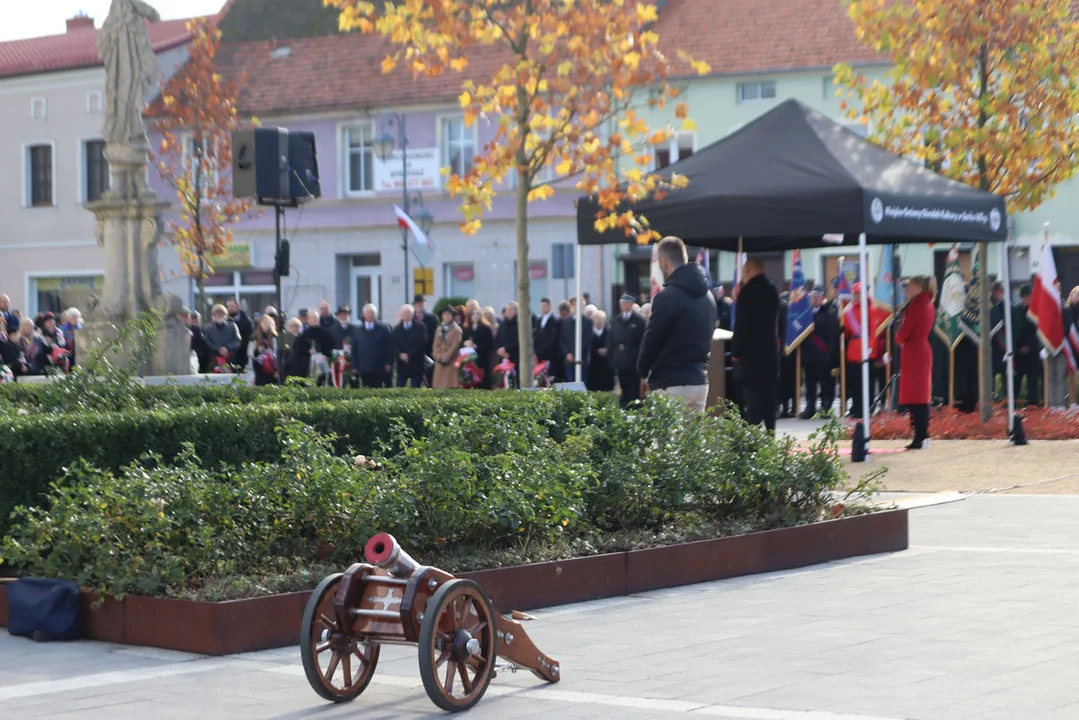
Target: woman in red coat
<point x="916" y="360"/>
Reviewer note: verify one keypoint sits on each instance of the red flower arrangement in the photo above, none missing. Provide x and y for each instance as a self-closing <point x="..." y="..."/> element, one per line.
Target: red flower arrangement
<point x="222" y="367"/>
<point x="540" y="377"/>
<point x="341" y="366"/>
<point x="947" y="423"/>
<point x="505" y="375"/>
<point x="471" y="375"/>
<point x="61" y="359"/>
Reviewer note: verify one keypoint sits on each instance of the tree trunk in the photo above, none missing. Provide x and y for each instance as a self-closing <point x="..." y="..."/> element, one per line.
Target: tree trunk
<point x="524" y="278"/>
<point x="985" y="351"/>
<point x="200" y="282"/>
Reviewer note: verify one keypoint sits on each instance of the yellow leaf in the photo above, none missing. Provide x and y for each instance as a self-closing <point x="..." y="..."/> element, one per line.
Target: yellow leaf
<point x="565" y="68"/>
<point x="465" y="99"/>
<point x="701" y="67"/>
<point x="646" y="13"/>
<point x="459" y="64"/>
<point x="689" y="125"/>
<point x="564" y="167"/>
<point x="541" y="193"/>
<point x="388" y="64"/>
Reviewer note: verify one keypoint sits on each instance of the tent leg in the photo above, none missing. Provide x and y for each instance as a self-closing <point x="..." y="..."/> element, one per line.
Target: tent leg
<point x="1009" y="377"/>
<point x="579" y="320"/>
<point x="863" y="261"/>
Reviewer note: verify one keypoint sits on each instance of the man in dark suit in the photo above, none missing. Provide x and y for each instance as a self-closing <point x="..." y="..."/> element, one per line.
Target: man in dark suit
<point x="547" y="340"/>
<point x="1028" y="361"/>
<point x="246" y="328"/>
<point x="428" y="320"/>
<point x="372" y="350"/>
<point x="409" y="349"/>
<point x="341" y="331"/>
<point x="624" y="344"/>
<point x="508" y="341"/>
<point x="567" y="313"/>
<point x="818" y="355"/>
<point x="756" y="345"/>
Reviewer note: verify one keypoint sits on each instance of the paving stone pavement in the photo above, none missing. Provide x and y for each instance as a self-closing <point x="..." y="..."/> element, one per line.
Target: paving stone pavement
<point x="977" y="620"/>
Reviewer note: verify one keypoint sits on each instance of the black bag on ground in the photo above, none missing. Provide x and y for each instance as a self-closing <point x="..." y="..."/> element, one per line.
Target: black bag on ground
<point x="44" y="610"/>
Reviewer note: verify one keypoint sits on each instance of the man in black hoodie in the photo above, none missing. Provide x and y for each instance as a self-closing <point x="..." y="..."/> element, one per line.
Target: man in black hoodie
<point x="678" y="339"/>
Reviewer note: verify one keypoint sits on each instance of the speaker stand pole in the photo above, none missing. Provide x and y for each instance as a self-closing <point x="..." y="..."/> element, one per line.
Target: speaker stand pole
<point x="279" y="214"/>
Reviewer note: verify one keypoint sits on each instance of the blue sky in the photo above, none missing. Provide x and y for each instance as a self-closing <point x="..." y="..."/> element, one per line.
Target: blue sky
<point x="46" y="17"/>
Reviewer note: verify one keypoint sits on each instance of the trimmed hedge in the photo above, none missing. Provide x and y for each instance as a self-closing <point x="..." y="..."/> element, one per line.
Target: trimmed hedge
<point x="38" y="447"/>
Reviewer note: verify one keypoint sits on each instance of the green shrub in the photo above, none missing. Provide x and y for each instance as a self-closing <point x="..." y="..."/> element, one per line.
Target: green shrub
<point x="542" y="471"/>
<point x="240" y="426"/>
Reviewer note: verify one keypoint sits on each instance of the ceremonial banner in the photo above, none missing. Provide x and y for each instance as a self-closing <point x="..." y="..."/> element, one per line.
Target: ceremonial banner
<point x="800" y="309"/>
<point x="1045" y="308"/>
<point x="848" y="275"/>
<point x="953" y="302"/>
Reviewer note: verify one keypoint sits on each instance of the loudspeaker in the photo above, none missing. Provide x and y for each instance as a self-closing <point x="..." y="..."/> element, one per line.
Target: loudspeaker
<point x="303" y="167"/>
<point x="281" y="262"/>
<point x="260" y="165"/>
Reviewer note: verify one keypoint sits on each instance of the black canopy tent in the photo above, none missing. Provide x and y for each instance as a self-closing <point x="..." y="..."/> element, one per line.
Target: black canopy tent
<point x="795" y="179"/>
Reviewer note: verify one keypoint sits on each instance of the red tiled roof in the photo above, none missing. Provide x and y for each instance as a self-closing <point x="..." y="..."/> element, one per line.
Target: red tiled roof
<point x="739" y="37"/>
<point x="337" y="71"/>
<point x="733" y="36"/>
<point x="75" y="49"/>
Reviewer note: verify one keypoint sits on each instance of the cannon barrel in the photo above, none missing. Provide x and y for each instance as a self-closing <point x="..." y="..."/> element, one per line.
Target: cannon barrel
<point x="383" y="551"/>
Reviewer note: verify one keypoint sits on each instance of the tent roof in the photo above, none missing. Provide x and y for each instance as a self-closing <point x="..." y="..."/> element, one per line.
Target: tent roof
<point x="792" y="176"/>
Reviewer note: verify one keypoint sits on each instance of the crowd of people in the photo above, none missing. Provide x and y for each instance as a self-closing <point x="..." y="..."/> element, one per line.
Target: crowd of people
<point x="662" y="346"/>
<point x="38" y="345"/>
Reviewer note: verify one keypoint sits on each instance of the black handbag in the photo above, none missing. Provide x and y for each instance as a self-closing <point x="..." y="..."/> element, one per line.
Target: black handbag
<point x="44" y="610"/>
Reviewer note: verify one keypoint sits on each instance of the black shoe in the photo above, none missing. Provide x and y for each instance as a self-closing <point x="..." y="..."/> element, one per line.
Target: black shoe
<point x="916" y="445"/>
<point x="807" y="415"/>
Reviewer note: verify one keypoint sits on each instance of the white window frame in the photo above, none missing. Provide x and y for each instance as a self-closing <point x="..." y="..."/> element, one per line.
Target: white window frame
<point x="95" y="103"/>
<point x="27" y="171"/>
<point x="188" y="140"/>
<point x="447" y="273"/>
<point x="81" y="162"/>
<point x="740" y="94"/>
<point x="39" y="108"/>
<point x="443" y="147"/>
<point x="674" y="148"/>
<point x="345" y="155"/>
<point x="34" y="275"/>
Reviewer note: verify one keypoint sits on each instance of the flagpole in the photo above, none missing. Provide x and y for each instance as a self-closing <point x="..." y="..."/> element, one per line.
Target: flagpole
<point x="1045" y="381"/>
<point x="1009" y="378"/>
<point x="578" y="321"/>
<point x="951" y="377"/>
<point x="842" y="341"/>
<point x="798" y="380"/>
<point x="863" y="256"/>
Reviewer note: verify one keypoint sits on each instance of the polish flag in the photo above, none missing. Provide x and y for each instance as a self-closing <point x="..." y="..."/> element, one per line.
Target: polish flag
<point x="407" y="223"/>
<point x="1045" y="309"/>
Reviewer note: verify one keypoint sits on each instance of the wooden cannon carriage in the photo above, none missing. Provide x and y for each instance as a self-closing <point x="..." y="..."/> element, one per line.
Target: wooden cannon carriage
<point x="392" y="599"/>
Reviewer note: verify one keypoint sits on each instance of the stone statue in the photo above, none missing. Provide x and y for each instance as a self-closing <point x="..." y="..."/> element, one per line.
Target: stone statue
<point x="129" y="214"/>
<point x="131" y="69"/>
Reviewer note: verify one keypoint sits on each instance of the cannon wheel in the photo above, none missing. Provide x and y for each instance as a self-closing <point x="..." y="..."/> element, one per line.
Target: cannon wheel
<point x="338" y="666"/>
<point x="455" y="675"/>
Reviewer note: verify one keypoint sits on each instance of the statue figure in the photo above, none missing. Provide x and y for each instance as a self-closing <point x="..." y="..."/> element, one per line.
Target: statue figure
<point x="131" y="70"/>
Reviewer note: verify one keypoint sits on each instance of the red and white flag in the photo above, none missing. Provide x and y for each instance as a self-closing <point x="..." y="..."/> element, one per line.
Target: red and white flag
<point x="1045" y="308"/>
<point x="407" y="223"/>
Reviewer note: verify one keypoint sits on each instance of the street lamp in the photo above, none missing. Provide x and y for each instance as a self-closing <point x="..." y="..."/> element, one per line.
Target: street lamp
<point x="383" y="146"/>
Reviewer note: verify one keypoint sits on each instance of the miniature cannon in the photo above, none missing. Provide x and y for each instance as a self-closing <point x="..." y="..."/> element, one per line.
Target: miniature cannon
<point x="392" y="599"/>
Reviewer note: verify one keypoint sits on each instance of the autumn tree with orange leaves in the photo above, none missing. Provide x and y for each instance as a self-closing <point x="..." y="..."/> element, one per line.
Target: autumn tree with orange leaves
<point x="568" y="70"/>
<point x="196" y="116"/>
<point x="983" y="91"/>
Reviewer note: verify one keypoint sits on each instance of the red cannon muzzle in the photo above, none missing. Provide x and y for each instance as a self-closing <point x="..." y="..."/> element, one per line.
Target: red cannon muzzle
<point x="383" y="551"/>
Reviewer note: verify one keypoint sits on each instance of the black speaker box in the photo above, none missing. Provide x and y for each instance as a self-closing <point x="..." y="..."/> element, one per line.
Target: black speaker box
<point x="260" y="165"/>
<point x="303" y="167"/>
<point x="281" y="261"/>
